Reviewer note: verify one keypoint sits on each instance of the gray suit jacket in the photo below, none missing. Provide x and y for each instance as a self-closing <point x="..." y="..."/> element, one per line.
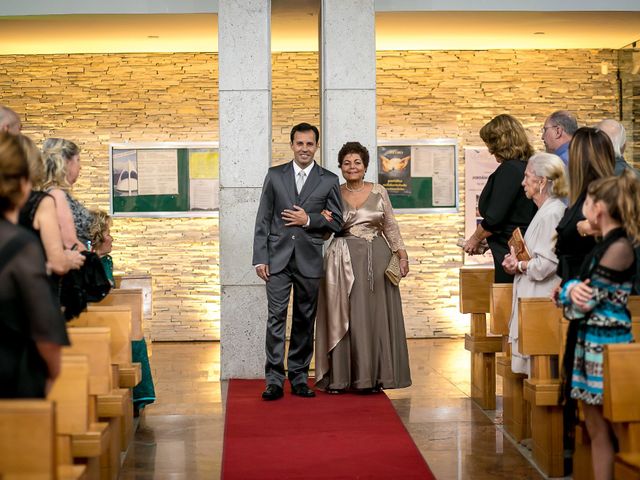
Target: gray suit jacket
<point x="273" y="242"/>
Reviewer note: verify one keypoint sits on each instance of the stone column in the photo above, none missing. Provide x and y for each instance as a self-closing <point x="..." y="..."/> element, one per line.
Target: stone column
<point x="244" y="46"/>
<point x="348" y="79"/>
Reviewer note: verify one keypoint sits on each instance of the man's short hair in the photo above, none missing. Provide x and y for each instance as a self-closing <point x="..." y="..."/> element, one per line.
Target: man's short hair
<point x="305" y="127"/>
<point x="566" y="120"/>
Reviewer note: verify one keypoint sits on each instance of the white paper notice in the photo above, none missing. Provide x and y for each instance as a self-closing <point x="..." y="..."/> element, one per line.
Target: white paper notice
<point x="479" y="164"/>
<point x="443" y="184"/>
<point x="422" y="161"/>
<point x="157" y="172"/>
<point x="203" y="194"/>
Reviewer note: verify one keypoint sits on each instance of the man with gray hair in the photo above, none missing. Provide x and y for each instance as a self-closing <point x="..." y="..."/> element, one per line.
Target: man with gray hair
<point x="558" y="131"/>
<point x="615" y="131"/>
<point x="9" y="121"/>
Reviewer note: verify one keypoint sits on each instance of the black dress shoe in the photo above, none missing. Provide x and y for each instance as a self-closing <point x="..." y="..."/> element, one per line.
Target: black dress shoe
<point x="302" y="390"/>
<point x="273" y="392"/>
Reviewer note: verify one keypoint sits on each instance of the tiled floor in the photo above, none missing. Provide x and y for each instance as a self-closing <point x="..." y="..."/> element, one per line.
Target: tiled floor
<point x="180" y="437"/>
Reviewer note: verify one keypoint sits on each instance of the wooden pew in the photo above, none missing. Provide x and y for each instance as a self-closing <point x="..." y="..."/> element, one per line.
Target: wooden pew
<point x="622" y="405"/>
<point x="133" y="298"/>
<point x="116" y="407"/>
<point x="94" y="342"/>
<point x="79" y="436"/>
<point x="475" y="285"/>
<point x="539" y="334"/>
<point x="119" y="320"/>
<point x="28" y="442"/>
<point x="515" y="410"/>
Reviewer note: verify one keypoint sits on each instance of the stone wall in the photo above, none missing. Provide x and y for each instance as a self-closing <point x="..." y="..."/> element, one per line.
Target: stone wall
<point x="100" y="99"/>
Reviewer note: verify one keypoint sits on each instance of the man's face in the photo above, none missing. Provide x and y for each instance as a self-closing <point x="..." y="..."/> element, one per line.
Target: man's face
<point x="550" y="135"/>
<point x="304" y="147"/>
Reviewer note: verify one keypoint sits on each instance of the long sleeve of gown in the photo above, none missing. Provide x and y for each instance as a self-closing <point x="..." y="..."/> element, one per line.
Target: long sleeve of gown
<point x="390" y="226"/>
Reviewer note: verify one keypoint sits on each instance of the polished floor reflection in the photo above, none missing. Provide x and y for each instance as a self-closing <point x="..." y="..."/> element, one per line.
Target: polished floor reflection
<point x="180" y="437"/>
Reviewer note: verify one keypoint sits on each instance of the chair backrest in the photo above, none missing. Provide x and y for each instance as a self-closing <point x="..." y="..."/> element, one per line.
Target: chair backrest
<point x="70" y="392"/>
<point x="95" y="343"/>
<point x="475" y="288"/>
<point x="118" y="320"/>
<point x="133" y="297"/>
<point x="622" y="382"/>
<point x="501" y="300"/>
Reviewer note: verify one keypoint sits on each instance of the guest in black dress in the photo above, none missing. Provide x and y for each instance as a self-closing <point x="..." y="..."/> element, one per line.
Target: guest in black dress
<point x="31" y="328"/>
<point x="590" y="157"/>
<point x="503" y="204"/>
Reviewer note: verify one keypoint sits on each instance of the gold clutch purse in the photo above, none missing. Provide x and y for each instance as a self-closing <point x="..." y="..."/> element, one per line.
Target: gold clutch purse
<point x="393" y="269"/>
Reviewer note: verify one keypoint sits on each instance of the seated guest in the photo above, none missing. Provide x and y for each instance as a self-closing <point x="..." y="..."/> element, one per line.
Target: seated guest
<point x="32" y="328"/>
<point x="39" y="215"/>
<point x="502" y="202"/>
<point x="544" y="183"/>
<point x="102" y="242"/>
<point x="62" y="168"/>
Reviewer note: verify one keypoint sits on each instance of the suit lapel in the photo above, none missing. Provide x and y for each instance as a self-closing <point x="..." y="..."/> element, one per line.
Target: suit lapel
<point x="311" y="183"/>
<point x="289" y="182"/>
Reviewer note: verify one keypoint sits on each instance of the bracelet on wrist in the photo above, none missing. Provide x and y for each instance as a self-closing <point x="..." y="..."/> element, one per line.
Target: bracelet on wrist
<point x="404" y="260"/>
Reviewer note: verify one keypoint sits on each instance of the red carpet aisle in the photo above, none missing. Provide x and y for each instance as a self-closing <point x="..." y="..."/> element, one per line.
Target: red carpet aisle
<point x="327" y="437"/>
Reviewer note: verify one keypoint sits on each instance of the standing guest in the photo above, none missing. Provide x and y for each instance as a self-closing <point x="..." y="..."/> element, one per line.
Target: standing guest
<point x="287" y="251"/>
<point x="144" y="393"/>
<point x="557" y="132"/>
<point x="39" y="215"/>
<point x="32" y="329"/>
<point x="360" y="337"/>
<point x="502" y="202"/>
<point x="596" y="302"/>
<point x="590" y="157"/>
<point x="544" y="183"/>
<point x="62" y="168"/>
<point x="9" y="121"/>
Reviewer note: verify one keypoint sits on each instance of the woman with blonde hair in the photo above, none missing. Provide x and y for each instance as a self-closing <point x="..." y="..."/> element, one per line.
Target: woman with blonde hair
<point x="32" y="329"/>
<point x="544" y="183"/>
<point x="62" y="168"/>
<point x="596" y="303"/>
<point x="502" y="203"/>
<point x="39" y="215"/>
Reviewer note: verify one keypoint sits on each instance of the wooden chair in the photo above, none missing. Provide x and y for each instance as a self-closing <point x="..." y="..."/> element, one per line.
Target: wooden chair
<point x="475" y="286"/>
<point x="134" y="299"/>
<point x="28" y="442"/>
<point x="539" y="335"/>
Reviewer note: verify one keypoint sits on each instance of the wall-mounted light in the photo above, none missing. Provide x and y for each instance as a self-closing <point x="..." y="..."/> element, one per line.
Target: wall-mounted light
<point x="604" y="68"/>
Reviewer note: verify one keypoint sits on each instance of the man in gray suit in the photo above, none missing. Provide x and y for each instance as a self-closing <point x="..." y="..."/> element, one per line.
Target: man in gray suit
<point x="287" y="252"/>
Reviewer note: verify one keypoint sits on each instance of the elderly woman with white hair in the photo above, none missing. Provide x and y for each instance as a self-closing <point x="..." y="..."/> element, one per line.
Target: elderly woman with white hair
<point x="545" y="183"/>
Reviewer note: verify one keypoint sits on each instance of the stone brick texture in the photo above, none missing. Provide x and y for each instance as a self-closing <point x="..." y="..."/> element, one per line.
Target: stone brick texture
<point x="96" y="100"/>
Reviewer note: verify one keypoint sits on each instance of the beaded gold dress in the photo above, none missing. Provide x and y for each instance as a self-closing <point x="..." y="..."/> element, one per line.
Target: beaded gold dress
<point x="360" y="335"/>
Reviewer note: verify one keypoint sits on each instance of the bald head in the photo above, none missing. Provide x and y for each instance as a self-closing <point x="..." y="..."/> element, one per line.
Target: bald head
<point x="615" y="131"/>
<point x="9" y="121"/>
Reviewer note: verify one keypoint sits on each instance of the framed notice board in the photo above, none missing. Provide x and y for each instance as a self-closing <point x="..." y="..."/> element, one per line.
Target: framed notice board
<point x="164" y="179"/>
<point x="421" y="176"/>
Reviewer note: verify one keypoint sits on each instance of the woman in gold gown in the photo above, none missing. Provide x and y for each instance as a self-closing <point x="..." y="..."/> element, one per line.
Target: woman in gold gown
<point x="360" y="337"/>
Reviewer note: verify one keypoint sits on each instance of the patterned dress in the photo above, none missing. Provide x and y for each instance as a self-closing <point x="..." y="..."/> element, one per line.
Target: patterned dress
<point x="607" y="320"/>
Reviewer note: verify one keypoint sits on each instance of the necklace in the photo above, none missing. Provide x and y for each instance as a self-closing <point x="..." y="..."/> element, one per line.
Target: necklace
<point x="354" y="190"/>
